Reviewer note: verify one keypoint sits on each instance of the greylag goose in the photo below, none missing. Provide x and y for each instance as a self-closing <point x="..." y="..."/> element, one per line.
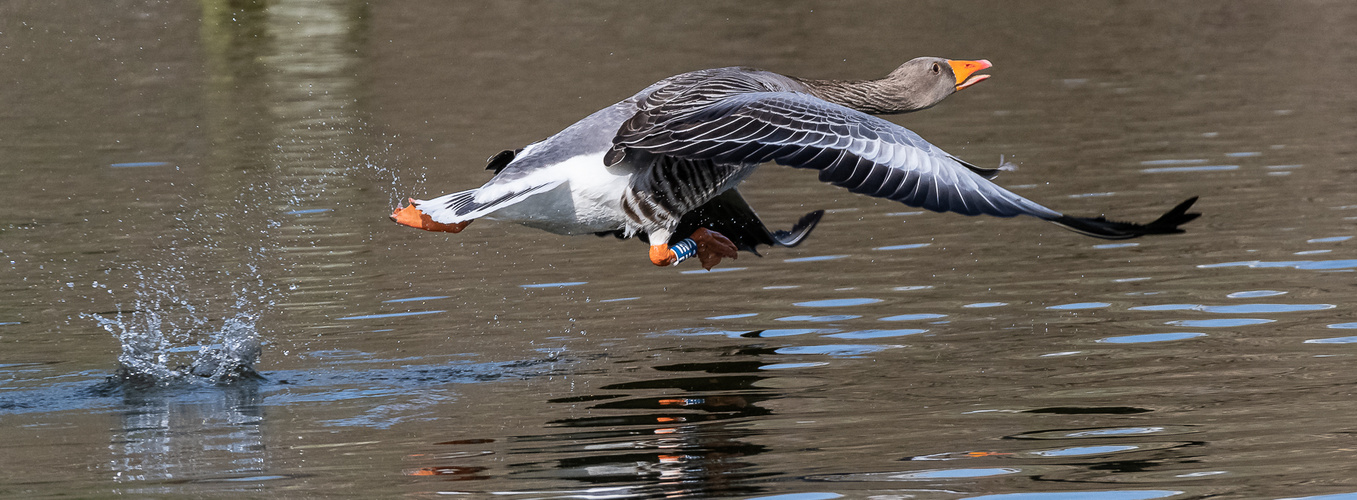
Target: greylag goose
<point x="646" y="165"/>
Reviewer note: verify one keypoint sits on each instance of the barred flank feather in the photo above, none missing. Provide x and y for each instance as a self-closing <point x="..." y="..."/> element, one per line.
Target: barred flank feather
<point x="670" y="187"/>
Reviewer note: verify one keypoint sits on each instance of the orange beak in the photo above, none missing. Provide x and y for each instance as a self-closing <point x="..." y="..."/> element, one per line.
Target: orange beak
<point x="965" y="72"/>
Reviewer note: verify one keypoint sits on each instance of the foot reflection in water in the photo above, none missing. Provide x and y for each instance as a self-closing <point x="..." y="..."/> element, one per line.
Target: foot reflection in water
<point x="681" y="435"/>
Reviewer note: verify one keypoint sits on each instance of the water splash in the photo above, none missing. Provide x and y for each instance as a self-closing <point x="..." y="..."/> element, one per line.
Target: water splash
<point x="169" y="339"/>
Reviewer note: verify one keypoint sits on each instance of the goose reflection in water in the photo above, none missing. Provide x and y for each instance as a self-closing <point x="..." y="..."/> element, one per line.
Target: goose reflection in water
<point x="678" y="435"/>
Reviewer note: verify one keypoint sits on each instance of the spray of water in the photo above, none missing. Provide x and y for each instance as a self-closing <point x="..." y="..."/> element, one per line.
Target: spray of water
<point x="170" y="337"/>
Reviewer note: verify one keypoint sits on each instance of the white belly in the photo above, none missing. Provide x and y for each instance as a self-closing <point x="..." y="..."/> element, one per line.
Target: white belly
<point x="589" y="201"/>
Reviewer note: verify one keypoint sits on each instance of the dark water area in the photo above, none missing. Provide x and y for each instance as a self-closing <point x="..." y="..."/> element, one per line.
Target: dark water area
<point x="201" y="295"/>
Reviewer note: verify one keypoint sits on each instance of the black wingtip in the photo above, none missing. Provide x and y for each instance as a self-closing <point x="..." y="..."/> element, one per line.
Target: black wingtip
<point x="799" y="231"/>
<point x="1099" y="227"/>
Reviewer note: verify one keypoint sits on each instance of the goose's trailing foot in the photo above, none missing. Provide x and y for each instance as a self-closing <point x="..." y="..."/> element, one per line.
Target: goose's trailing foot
<point x="411" y="216"/>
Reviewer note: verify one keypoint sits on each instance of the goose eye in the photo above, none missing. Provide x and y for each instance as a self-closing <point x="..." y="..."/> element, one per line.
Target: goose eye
<point x="936" y="68"/>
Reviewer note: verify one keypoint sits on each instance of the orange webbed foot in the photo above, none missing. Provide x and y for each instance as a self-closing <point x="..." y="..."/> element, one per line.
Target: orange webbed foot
<point x="411" y="216"/>
<point x="661" y="255"/>
<point x="712" y="247"/>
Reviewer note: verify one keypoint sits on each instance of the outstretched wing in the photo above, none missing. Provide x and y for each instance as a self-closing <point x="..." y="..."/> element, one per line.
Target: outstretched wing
<point x="851" y="149"/>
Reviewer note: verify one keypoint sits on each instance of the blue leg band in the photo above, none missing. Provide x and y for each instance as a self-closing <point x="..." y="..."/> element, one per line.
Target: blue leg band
<point x="684" y="249"/>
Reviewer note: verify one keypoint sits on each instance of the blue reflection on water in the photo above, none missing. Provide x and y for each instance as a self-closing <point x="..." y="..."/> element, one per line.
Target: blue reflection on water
<point x="1079" y="495"/>
<point x="1307" y="265"/>
<point x="957" y="473"/>
<point x="555" y="285"/>
<point x="913" y="317"/>
<point x="1238" y="308"/>
<point x="416" y="299"/>
<point x="904" y="247"/>
<point x="788" y="366"/>
<point x="1331" y="239"/>
<point x="307" y="211"/>
<point x="876" y="334"/>
<point x="1335" y="496"/>
<point x="815" y="259"/>
<point x="1333" y="340"/>
<point x="1150" y="163"/>
<point x="1253" y="294"/>
<point x="735" y="316"/>
<point x="978" y="305"/>
<point x="1220" y="323"/>
<point x="833" y="349"/>
<point x="800" y="496"/>
<point x="1115" y="432"/>
<point x="837" y="302"/>
<point x="390" y="315"/>
<point x="824" y="318"/>
<point x="714" y="270"/>
<point x="1084" y="450"/>
<point x="1080" y="305"/>
<point x="1265" y="308"/>
<point x="785" y="332"/>
<point x="1167" y="307"/>
<point x="1151" y="337"/>
<point x="1203" y="168"/>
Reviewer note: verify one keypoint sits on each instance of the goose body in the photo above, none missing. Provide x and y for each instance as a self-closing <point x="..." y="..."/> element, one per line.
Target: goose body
<point x="664" y="164"/>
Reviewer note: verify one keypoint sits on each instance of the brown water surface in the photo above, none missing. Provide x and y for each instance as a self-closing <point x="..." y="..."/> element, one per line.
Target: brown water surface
<point x="183" y="178"/>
